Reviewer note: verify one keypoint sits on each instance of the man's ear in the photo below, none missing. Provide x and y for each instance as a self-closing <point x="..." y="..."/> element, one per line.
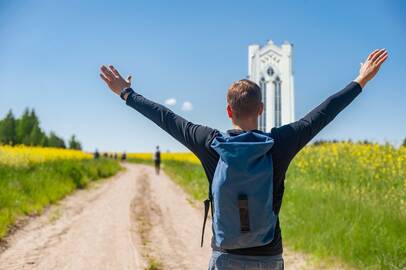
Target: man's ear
<point x="261" y="108"/>
<point x="229" y="111"/>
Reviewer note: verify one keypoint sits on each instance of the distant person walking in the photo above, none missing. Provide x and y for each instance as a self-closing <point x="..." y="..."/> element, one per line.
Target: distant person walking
<point x="123" y="156"/>
<point x="157" y="160"/>
<point x="96" y="154"/>
<point x="245" y="166"/>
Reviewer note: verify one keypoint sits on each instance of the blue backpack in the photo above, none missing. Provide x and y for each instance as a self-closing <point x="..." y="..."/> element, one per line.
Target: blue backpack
<point x="241" y="193"/>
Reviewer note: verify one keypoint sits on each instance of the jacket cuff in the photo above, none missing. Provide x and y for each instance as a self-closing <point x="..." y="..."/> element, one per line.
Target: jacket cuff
<point x="356" y="85"/>
<point x="130" y="96"/>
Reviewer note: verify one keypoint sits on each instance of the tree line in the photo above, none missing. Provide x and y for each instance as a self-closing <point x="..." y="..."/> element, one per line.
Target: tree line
<point x="26" y="130"/>
<point x="322" y="141"/>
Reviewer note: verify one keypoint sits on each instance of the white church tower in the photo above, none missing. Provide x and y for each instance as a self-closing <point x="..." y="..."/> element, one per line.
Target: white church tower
<point x="271" y="68"/>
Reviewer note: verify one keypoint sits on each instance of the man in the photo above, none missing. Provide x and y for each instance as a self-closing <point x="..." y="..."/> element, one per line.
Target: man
<point x="157" y="160"/>
<point x="244" y="106"/>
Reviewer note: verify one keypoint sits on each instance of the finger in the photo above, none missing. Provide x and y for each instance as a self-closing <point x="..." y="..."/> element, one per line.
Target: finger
<point x="380" y="57"/>
<point x="107" y="72"/>
<point x="380" y="61"/>
<point x="105" y="78"/>
<point x="372" y="54"/>
<point x="129" y="79"/>
<point x="104" y="70"/>
<point x="114" y="71"/>
<point x="373" y="59"/>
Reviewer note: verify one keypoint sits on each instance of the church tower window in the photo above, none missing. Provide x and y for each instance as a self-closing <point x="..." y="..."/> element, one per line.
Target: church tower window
<point x="278" y="102"/>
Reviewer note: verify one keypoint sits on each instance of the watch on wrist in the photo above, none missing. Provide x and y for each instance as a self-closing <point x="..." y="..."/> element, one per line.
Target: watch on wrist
<point x="125" y="91"/>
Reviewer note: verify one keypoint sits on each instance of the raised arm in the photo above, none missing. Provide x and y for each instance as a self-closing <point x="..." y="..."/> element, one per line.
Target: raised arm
<point x="190" y="135"/>
<point x="297" y="134"/>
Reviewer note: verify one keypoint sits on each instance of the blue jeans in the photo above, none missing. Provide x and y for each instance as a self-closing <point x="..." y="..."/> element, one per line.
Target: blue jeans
<point x="226" y="261"/>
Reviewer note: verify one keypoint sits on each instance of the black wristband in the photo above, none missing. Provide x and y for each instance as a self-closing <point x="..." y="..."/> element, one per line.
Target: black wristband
<point x="125" y="91"/>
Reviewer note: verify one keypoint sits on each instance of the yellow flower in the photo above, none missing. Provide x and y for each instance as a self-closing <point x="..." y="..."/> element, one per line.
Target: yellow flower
<point x="188" y="157"/>
<point x="24" y="155"/>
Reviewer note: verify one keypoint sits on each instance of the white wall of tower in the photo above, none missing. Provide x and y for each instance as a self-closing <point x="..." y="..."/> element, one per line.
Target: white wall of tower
<point x="269" y="62"/>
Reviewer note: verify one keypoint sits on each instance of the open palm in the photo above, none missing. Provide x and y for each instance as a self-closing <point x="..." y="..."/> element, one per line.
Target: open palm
<point x="113" y="79"/>
<point x="371" y="66"/>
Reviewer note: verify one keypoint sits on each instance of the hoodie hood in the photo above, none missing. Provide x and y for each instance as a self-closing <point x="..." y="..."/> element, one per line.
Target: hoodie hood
<point x="245" y="147"/>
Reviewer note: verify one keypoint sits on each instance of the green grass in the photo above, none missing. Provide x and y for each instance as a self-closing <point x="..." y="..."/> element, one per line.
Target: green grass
<point x="340" y="205"/>
<point x="345" y="211"/>
<point x="330" y="224"/>
<point x="189" y="176"/>
<point x="27" y="190"/>
<point x="154" y="264"/>
<point x="141" y="161"/>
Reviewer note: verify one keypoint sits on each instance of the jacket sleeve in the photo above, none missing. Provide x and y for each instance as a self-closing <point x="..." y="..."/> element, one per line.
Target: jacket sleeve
<point x="293" y="137"/>
<point x="191" y="135"/>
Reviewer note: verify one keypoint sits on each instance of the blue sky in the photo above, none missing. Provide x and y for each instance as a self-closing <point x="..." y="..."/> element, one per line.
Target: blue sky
<point x="50" y="53"/>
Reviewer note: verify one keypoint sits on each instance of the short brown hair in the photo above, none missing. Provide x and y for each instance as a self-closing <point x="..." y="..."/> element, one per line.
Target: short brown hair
<point x="244" y="98"/>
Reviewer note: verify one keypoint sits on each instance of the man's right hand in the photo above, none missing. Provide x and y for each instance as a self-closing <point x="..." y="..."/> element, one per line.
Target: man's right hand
<point x="113" y="79"/>
<point x="371" y="66"/>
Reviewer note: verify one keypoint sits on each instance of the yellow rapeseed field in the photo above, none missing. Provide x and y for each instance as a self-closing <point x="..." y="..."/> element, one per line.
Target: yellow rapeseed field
<point x="188" y="157"/>
<point x="24" y="155"/>
<point x="362" y="167"/>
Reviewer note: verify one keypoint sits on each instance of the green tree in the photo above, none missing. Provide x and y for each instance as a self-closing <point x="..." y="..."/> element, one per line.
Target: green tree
<point x="55" y="141"/>
<point x="404" y="142"/>
<point x="36" y="137"/>
<point x="28" y="130"/>
<point x="44" y="140"/>
<point x="8" y="129"/>
<point x="74" y="143"/>
<point x="24" y="127"/>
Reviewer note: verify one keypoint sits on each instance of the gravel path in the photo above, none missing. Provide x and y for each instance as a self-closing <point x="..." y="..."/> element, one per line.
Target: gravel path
<point x="90" y="229"/>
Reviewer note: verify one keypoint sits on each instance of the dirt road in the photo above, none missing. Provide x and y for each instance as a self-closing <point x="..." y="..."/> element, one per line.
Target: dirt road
<point x="134" y="220"/>
<point x="91" y="229"/>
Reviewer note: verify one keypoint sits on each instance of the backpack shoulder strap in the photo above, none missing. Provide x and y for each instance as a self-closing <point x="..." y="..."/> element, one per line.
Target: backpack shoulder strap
<point x="207" y="203"/>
